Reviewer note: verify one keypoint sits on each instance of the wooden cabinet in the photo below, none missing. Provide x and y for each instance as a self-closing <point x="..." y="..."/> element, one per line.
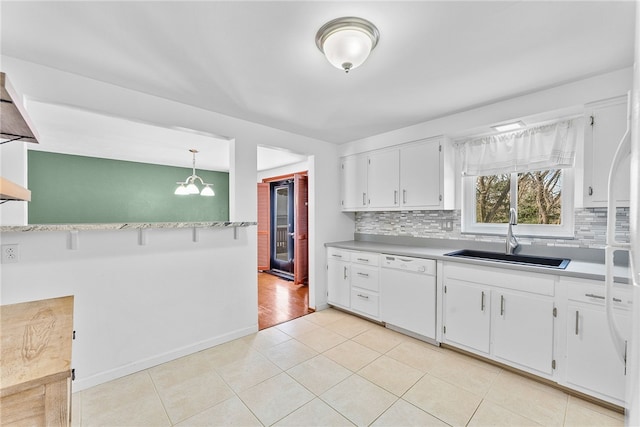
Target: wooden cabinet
<point x="467" y="315"/>
<point x="354" y="182"/>
<point x="523" y="329"/>
<point x="502" y="314"/>
<point x="417" y="175"/>
<point x="338" y="277"/>
<point x="36" y="362"/>
<point x="606" y="122"/>
<point x="592" y="365"/>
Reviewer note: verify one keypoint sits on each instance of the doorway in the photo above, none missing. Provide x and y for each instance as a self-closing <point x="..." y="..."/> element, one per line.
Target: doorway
<point x="282" y="258"/>
<point x="283" y="247"/>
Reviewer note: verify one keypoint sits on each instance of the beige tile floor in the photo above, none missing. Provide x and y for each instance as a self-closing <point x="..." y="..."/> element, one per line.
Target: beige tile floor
<point x="330" y="369"/>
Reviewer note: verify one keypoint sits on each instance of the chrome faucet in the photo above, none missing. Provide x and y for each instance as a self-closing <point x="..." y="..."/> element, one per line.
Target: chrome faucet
<point x="512" y="242"/>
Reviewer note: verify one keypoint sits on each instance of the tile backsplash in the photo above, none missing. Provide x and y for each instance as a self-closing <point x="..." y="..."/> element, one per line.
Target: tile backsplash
<point x="590" y="227"/>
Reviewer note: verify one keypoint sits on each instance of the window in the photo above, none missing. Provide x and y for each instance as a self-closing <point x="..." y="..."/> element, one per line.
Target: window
<point x="543" y="200"/>
<point x="529" y="170"/>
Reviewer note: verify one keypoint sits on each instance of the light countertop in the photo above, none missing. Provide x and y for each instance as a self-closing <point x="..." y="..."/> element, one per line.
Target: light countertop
<point x="576" y="268"/>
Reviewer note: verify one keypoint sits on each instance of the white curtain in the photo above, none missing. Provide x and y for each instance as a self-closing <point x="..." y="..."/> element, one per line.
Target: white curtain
<point x="545" y="147"/>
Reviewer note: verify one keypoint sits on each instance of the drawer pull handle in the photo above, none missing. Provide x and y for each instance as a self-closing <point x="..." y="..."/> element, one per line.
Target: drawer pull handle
<point x="363" y="296"/>
<point x="594" y="296"/>
<point x="482" y="301"/>
<point x="617" y="300"/>
<point x="405" y="259"/>
<point x="577" y="320"/>
<point x="336" y="256"/>
<point x="363" y="259"/>
<point x="501" y="305"/>
<point x="363" y="274"/>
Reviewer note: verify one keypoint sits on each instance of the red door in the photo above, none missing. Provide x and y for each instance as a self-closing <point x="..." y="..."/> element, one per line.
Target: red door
<point x="301" y="240"/>
<point x="264" y="225"/>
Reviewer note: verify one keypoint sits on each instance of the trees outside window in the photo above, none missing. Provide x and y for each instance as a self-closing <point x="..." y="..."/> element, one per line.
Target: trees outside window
<point x="537" y="196"/>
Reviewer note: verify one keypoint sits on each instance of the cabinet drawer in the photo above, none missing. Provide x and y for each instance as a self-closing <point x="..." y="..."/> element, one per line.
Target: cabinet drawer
<point x="338" y="254"/>
<point x="365" y="258"/>
<point x="592" y="291"/>
<point x="365" y="302"/>
<point x="365" y="277"/>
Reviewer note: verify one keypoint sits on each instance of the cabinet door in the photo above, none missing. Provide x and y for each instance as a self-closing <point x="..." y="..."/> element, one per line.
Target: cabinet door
<point x="467" y="315"/>
<point x="601" y="141"/>
<point x="420" y="175"/>
<point x="523" y="330"/>
<point x="383" y="178"/>
<point x="354" y="182"/>
<point x="592" y="362"/>
<point x="338" y="286"/>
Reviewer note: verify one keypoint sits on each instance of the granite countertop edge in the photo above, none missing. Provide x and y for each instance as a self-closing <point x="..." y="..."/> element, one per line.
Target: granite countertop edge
<point x="123" y="226"/>
<point x="576" y="268"/>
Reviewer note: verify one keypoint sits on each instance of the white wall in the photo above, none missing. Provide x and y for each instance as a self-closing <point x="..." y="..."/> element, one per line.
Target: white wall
<point x="564" y="98"/>
<point x="138" y="305"/>
<point x="283" y="170"/>
<point x="113" y="268"/>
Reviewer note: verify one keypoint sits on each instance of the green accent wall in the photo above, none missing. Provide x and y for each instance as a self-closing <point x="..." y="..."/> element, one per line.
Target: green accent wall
<point x="67" y="189"/>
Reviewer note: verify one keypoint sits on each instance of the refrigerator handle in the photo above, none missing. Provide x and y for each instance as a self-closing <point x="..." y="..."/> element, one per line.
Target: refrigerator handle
<point x="624" y="148"/>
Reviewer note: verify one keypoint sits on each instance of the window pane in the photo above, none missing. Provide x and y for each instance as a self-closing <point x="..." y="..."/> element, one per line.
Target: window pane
<point x="540" y="197"/>
<point x="493" y="199"/>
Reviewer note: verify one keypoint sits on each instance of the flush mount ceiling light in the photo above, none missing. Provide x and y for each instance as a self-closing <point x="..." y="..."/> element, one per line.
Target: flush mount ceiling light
<point x="347" y="42"/>
<point x="506" y="127"/>
<point x="189" y="185"/>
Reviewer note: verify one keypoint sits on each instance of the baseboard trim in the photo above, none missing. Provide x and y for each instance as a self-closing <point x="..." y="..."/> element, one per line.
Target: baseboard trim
<point x="102" y="377"/>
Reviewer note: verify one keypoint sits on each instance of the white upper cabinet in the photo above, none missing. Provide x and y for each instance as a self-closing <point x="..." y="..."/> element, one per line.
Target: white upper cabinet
<point x="354" y="183"/>
<point x="606" y="123"/>
<point x="383" y="179"/>
<point x="416" y="175"/>
<point x="421" y="175"/>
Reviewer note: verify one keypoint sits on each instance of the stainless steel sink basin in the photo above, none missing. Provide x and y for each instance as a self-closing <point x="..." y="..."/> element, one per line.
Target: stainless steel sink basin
<point x="536" y="261"/>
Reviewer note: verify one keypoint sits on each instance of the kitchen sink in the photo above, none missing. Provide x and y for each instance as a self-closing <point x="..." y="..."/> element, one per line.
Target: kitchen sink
<point x="536" y="261"/>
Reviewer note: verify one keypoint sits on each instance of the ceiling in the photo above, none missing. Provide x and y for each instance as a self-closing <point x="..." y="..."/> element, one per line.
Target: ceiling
<point x="258" y="60"/>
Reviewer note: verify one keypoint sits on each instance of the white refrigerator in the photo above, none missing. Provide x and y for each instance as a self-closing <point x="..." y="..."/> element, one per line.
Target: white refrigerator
<point x="632" y="395"/>
<point x="629" y="146"/>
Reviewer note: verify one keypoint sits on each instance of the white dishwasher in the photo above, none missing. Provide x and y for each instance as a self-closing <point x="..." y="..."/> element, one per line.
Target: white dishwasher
<point x="408" y="294"/>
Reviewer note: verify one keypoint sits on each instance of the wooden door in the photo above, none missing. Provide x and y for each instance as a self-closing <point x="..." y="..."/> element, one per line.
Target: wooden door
<point x="264" y="225"/>
<point x="301" y="231"/>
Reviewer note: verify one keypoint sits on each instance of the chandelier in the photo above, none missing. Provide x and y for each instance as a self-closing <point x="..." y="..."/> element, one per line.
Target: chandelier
<point x="188" y="186"/>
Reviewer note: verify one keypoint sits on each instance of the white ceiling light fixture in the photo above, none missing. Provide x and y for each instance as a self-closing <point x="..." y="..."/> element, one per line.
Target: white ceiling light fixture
<point x="347" y="42"/>
<point x="507" y="127"/>
<point x="189" y="185"/>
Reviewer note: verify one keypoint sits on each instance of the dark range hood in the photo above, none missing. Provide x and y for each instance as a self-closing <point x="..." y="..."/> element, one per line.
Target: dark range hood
<point x="14" y="122"/>
<point x="14" y="126"/>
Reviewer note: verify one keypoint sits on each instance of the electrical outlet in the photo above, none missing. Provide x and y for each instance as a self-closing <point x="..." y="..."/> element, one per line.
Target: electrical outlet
<point x="10" y="253"/>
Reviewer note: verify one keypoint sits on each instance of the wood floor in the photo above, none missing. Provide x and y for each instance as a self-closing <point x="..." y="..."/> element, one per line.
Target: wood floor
<point x="280" y="300"/>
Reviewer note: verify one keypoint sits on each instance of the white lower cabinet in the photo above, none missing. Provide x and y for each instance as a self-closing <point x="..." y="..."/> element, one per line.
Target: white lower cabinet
<point x="592" y="365"/>
<point x="467" y="309"/>
<point x="353" y="281"/>
<point x="339" y="277"/>
<point x="486" y="311"/>
<point x="523" y="329"/>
